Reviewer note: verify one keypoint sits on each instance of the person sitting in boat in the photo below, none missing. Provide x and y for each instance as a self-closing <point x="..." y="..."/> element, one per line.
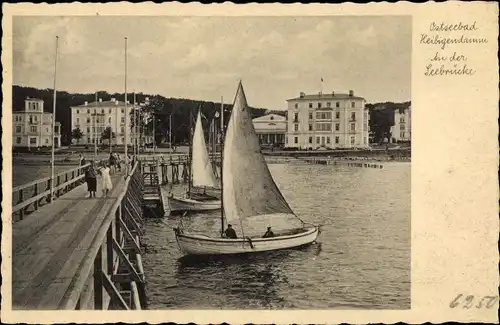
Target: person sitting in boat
<point x="230" y="233"/>
<point x="269" y="233"/>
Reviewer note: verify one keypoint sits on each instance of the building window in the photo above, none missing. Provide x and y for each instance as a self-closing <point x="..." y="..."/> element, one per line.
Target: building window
<point x="77" y="111"/>
<point x="88" y="120"/>
<point x="77" y="120"/>
<point x="122" y="129"/>
<point x="328" y="104"/>
<point x="110" y="111"/>
<point x="353" y="139"/>
<point x="46" y="141"/>
<point x="295" y="127"/>
<point x="33" y="141"/>
<point x="102" y="111"/>
<point x="365" y="140"/>
<point x="317" y="140"/>
<point x="33" y="129"/>
<point x="123" y="111"/>
<point x="402" y="127"/>
<point x="402" y="119"/>
<point x="310" y="115"/>
<point x="310" y="127"/>
<point x="97" y="121"/>
<point x="93" y="129"/>
<point x="18" y="140"/>
<point x="337" y="140"/>
<point x="310" y="105"/>
<point x="327" y="140"/>
<point x="296" y="105"/>
<point x="402" y="134"/>
<point x="88" y="111"/>
<point x="353" y="116"/>
<point x="319" y="105"/>
<point x="310" y="139"/>
<point x="337" y="104"/>
<point x="295" y="117"/>
<point x="18" y="129"/>
<point x="88" y="140"/>
<point x="109" y="119"/>
<point x="337" y="115"/>
<point x="337" y="126"/>
<point x="353" y="126"/>
<point x="353" y="104"/>
<point x="296" y="139"/>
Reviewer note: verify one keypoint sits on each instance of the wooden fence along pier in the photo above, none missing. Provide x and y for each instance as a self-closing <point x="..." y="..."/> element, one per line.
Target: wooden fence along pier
<point x="96" y="261"/>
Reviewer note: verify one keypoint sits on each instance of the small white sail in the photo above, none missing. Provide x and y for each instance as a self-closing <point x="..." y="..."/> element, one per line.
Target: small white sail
<point x="201" y="168"/>
<point x="249" y="189"/>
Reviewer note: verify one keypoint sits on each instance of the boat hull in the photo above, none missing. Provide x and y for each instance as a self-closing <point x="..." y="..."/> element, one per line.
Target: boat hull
<point x="192" y="244"/>
<point x="209" y="191"/>
<point x="180" y="204"/>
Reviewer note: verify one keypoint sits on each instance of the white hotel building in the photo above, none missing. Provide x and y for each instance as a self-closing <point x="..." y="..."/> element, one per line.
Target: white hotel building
<point x="401" y="130"/>
<point x="327" y="121"/>
<point x="93" y="118"/>
<point x="32" y="127"/>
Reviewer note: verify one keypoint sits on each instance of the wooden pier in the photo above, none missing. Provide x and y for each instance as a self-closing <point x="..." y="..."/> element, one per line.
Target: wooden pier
<point x="341" y="162"/>
<point x="82" y="253"/>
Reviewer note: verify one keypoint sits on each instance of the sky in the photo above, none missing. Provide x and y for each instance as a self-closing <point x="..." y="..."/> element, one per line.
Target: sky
<point x="203" y="58"/>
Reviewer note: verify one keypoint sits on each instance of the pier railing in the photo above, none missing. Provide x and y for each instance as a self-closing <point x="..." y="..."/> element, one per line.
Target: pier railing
<point x="111" y="275"/>
<point x="29" y="197"/>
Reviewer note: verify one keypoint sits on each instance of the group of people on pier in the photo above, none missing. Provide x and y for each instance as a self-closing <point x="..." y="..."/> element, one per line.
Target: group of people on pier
<point x="106" y="169"/>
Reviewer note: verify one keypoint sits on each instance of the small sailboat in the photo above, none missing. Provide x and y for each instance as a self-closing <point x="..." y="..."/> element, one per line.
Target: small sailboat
<point x="251" y="200"/>
<point x="201" y="177"/>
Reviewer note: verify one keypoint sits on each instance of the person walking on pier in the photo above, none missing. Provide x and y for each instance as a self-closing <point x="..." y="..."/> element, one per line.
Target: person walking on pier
<point x="91" y="178"/>
<point x="107" y="184"/>
<point x="82" y="160"/>
<point x="112" y="162"/>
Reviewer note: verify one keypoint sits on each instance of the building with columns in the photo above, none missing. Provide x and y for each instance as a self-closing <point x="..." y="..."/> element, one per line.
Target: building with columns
<point x="401" y="130"/>
<point x="271" y="129"/>
<point x="327" y="120"/>
<point x="32" y="127"/>
<point x="93" y="118"/>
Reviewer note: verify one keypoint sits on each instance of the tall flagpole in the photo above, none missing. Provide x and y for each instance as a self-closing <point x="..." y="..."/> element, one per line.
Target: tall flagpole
<point x="94" y="129"/>
<point x="222" y="163"/>
<point x="126" y="114"/>
<point x="53" y="124"/>
<point x="134" y="134"/>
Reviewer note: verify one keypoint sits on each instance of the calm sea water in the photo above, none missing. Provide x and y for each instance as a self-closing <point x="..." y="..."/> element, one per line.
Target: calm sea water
<point x="362" y="259"/>
<point x="23" y="174"/>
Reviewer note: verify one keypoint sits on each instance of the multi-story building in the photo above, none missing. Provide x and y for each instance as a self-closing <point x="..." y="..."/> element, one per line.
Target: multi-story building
<point x="93" y="118"/>
<point x="331" y="120"/>
<point x="32" y="127"/>
<point x="401" y="130"/>
<point x="271" y="129"/>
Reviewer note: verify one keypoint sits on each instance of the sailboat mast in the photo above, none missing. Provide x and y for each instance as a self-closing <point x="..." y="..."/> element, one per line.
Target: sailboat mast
<point x="126" y="115"/>
<point x="221" y="163"/>
<point x="52" y="167"/>
<point x="190" y="165"/>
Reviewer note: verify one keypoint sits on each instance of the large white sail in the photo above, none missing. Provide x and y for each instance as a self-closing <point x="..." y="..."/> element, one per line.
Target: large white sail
<point x="201" y="168"/>
<point x="248" y="189"/>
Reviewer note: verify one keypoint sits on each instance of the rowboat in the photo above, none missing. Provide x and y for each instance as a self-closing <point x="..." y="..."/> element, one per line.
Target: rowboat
<point x="251" y="199"/>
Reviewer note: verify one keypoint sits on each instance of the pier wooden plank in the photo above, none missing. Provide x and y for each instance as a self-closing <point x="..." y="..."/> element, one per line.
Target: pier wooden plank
<point x="50" y="244"/>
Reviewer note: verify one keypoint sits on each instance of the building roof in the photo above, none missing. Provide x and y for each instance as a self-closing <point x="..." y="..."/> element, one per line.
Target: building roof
<point x="107" y="103"/>
<point x="269" y="118"/>
<point x="325" y="96"/>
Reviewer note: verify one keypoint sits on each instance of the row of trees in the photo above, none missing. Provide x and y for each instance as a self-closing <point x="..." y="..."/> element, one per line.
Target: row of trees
<point x="107" y="134"/>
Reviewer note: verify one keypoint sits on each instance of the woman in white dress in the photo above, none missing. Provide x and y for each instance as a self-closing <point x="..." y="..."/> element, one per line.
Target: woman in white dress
<point x="107" y="184"/>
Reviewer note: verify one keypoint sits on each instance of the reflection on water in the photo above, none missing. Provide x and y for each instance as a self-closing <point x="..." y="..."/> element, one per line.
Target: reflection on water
<point x="362" y="259"/>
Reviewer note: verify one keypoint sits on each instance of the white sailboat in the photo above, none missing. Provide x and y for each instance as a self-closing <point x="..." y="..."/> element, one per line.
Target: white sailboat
<point x="251" y="199"/>
<point x="201" y="177"/>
